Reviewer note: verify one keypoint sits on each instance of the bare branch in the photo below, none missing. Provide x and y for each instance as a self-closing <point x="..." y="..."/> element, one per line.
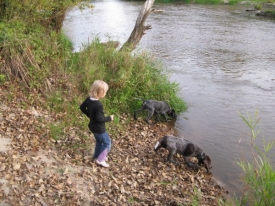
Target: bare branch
<point x="139" y="29"/>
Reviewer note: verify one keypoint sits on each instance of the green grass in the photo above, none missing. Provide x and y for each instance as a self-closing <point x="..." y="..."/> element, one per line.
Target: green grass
<point x="56" y="130"/>
<point x="259" y="175"/>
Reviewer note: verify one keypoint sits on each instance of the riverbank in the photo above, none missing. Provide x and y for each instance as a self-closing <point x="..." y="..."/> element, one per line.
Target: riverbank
<point x="35" y="169"/>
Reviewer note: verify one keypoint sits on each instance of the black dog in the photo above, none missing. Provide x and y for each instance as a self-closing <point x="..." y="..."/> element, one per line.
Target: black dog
<point x="157" y="107"/>
<point x="186" y="149"/>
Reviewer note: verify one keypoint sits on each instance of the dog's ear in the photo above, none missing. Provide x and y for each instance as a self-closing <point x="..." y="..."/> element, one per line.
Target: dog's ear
<point x="207" y="163"/>
<point x="207" y="160"/>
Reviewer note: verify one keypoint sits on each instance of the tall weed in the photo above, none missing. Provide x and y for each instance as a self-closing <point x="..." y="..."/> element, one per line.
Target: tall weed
<point x="36" y="57"/>
<point x="259" y="175"/>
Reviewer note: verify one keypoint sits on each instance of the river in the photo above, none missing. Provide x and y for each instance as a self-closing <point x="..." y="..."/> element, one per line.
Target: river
<point x="223" y="59"/>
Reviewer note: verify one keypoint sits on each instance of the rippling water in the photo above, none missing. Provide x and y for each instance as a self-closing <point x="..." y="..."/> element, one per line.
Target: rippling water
<point x="222" y="58"/>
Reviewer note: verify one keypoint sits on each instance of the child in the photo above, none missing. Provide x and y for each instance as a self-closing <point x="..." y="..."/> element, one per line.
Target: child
<point x="93" y="109"/>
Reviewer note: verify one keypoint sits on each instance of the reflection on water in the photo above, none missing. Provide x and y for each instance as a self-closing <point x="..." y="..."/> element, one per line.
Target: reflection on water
<point x="223" y="60"/>
<point x="108" y="19"/>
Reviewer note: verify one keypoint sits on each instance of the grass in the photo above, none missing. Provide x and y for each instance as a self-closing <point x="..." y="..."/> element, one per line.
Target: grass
<point x="197" y="196"/>
<point x="56" y="130"/>
<point x="259" y="175"/>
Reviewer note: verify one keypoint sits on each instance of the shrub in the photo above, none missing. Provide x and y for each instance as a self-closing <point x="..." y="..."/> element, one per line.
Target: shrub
<point x="128" y="76"/>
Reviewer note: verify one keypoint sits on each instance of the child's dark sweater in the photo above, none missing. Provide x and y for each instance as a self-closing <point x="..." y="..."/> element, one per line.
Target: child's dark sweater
<point x="94" y="110"/>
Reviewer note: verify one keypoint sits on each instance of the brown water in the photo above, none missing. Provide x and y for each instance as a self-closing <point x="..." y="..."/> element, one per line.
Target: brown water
<point x="223" y="59"/>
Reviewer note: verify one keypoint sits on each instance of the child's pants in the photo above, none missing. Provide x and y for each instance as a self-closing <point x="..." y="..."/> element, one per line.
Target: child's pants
<point x="102" y="146"/>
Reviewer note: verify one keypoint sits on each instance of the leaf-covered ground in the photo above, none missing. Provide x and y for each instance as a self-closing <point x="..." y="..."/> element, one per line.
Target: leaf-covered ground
<point x="37" y="170"/>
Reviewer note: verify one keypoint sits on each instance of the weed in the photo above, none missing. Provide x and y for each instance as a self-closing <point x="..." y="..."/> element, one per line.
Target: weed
<point x="56" y="130"/>
<point x="2" y="78"/>
<point x="259" y="175"/>
<point x="131" y="199"/>
<point x="258" y="6"/>
<point x="197" y="196"/>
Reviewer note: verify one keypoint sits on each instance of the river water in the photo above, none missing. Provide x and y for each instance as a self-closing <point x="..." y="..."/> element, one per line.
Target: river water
<point x="223" y="59"/>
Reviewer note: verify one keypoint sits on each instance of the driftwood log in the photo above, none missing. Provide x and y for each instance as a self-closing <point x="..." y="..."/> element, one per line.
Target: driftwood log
<point x="140" y="27"/>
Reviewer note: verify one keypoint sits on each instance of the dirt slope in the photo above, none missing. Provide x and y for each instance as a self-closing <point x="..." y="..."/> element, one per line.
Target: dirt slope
<point x="37" y="170"/>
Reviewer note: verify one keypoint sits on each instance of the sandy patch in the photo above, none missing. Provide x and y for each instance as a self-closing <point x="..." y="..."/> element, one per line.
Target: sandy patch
<point x="4" y="144"/>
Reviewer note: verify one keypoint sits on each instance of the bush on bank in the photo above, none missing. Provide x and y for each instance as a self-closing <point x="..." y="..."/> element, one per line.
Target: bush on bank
<point x="266" y="7"/>
<point x="251" y="2"/>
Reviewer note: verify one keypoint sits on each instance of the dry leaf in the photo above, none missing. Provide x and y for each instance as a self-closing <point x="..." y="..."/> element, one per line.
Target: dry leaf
<point x="16" y="166"/>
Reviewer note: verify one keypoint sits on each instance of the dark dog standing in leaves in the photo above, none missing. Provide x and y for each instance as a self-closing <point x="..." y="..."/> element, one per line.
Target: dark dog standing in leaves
<point x="186" y="149"/>
<point x="156" y="107"/>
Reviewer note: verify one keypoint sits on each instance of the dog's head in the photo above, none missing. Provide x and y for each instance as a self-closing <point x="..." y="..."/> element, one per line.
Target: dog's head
<point x="204" y="160"/>
<point x="172" y="113"/>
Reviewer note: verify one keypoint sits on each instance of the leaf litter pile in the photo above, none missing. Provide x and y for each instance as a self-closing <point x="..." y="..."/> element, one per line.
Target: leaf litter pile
<point x="37" y="170"/>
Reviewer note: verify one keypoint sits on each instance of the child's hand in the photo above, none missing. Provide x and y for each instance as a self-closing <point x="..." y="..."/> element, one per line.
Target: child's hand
<point x="112" y="117"/>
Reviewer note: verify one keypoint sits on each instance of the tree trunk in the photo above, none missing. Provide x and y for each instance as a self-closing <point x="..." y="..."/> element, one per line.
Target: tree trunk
<point x="139" y="29"/>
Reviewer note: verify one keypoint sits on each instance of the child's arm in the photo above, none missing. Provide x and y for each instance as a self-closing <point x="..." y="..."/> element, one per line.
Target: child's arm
<point x="83" y="108"/>
<point x="100" y="116"/>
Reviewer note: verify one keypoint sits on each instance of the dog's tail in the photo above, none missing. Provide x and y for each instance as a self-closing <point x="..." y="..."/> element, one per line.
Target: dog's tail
<point x="160" y="143"/>
<point x="157" y="144"/>
<point x="139" y="99"/>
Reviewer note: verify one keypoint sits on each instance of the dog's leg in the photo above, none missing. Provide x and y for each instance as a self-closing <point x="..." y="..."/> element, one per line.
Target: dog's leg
<point x="157" y="117"/>
<point x="189" y="151"/>
<point x="150" y="114"/>
<point x="165" y="117"/>
<point x="173" y="114"/>
<point x="172" y="152"/>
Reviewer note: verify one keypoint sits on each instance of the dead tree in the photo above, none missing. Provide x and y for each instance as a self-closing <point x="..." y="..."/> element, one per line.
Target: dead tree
<point x="140" y="28"/>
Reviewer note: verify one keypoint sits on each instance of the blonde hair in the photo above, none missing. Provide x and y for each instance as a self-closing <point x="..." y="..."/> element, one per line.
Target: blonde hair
<point x="97" y="87"/>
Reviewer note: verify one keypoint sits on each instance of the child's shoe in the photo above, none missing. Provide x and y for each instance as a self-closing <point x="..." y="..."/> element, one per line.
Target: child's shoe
<point x="103" y="163"/>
